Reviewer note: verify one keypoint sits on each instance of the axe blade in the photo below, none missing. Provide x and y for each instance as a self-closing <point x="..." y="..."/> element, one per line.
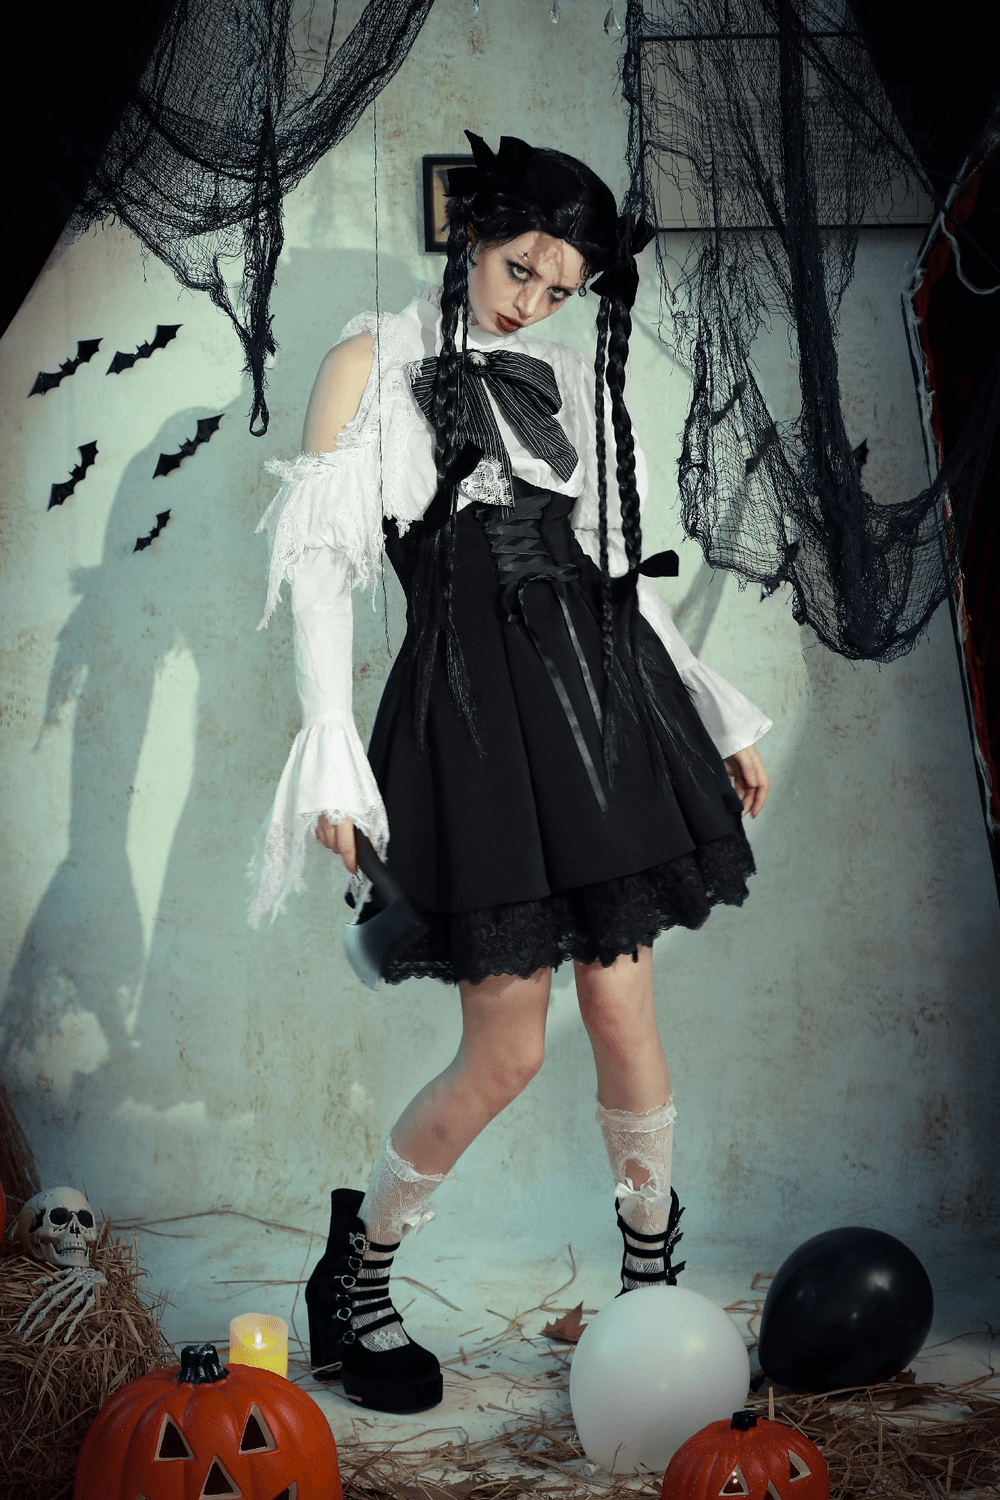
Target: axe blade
<point x="370" y="945"/>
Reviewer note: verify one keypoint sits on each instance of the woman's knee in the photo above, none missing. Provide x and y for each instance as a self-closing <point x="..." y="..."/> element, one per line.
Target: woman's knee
<point x="503" y="1038"/>
<point x="502" y="1076"/>
<point x="616" y="1004"/>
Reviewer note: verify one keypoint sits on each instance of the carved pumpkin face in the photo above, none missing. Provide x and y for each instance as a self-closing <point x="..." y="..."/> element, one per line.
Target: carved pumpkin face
<point x="758" y="1460"/>
<point x="205" y="1433"/>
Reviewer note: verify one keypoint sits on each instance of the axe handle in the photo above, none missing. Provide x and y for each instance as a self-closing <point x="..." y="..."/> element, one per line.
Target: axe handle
<point x="386" y="887"/>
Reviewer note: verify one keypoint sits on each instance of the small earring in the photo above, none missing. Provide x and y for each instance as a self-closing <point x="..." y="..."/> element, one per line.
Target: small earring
<point x="581" y="291"/>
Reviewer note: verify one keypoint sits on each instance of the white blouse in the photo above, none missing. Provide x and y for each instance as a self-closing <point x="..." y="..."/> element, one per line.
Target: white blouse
<point x="325" y="529"/>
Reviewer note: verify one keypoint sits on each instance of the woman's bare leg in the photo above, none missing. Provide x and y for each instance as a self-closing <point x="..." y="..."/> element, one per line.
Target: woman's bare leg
<point x="617" y="1007"/>
<point x="503" y="1043"/>
<point x="502" y="1047"/>
<point x="636" y="1112"/>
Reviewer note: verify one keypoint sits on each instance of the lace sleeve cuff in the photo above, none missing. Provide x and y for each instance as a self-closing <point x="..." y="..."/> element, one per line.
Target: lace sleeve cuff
<point x="327" y="771"/>
<point x="732" y="721"/>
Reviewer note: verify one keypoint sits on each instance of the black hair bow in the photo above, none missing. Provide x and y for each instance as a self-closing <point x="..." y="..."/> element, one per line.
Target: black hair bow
<point x="622" y="278"/>
<point x="525" y="391"/>
<point x="494" y="171"/>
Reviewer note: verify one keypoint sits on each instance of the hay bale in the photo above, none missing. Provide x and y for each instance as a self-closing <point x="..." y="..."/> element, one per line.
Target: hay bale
<point x="50" y="1393"/>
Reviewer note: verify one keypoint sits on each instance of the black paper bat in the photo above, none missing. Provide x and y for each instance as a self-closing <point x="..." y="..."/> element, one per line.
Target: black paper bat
<point x="168" y="462"/>
<point x="164" y="333"/>
<point x="141" y="542"/>
<point x="770" y="585"/>
<point x="45" y="380"/>
<point x="61" y="492"/>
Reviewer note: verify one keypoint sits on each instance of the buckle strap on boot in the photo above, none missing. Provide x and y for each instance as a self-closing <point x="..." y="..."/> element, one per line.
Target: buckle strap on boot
<point x="663" y="1242"/>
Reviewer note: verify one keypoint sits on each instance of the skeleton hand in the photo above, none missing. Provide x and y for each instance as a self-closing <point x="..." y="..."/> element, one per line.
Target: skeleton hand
<point x="76" y="1288"/>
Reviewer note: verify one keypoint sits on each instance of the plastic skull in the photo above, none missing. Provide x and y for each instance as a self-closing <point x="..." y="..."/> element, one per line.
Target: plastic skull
<point x="58" y="1227"/>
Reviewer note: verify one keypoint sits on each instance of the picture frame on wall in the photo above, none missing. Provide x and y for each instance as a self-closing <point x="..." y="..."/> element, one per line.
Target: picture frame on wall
<point x="435" y="169"/>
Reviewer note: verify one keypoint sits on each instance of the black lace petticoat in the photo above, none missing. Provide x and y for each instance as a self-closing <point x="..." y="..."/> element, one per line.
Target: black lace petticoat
<point x="592" y="922"/>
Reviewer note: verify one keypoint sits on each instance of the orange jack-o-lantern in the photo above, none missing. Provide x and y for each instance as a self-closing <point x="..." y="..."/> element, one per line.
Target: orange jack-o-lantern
<point x="204" y="1431"/>
<point x="759" y="1460"/>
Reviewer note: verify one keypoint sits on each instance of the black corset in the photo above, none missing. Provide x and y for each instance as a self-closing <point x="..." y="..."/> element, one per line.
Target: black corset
<point x="522" y="556"/>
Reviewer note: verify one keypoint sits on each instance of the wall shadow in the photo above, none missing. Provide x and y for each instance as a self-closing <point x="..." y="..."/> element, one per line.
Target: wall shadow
<point x="120" y="1060"/>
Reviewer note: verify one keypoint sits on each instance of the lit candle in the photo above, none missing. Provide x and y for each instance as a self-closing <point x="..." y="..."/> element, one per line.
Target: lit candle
<point x="258" y="1339"/>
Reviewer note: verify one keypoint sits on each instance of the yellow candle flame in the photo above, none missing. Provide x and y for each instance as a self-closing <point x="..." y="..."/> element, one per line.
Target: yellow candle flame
<point x="258" y="1341"/>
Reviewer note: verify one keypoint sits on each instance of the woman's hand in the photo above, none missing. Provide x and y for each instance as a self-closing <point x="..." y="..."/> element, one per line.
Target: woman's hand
<point x="339" y="839"/>
<point x="746" y="771"/>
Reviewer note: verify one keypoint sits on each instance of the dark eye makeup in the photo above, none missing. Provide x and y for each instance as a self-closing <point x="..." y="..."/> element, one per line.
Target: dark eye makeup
<point x="517" y="272"/>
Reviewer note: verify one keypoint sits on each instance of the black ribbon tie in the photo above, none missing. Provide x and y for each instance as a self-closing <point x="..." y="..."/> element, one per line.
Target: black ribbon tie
<point x="524" y="390"/>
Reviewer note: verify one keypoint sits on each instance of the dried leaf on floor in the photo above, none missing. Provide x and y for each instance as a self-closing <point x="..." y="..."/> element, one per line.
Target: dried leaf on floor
<point x="568" y="1328"/>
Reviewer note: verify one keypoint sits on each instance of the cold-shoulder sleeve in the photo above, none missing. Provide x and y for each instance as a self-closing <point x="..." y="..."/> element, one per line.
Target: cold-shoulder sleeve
<point x="732" y="721"/>
<point x="381" y="466"/>
<point x="325" y="531"/>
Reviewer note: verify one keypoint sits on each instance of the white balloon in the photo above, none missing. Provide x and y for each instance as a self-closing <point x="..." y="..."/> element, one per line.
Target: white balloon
<point x="653" y="1368"/>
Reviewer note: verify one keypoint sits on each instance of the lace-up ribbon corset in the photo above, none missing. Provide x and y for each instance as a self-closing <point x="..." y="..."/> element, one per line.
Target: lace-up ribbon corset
<point x="522" y="557"/>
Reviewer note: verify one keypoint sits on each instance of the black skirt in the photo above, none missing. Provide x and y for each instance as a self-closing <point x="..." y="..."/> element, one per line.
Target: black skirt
<point x="527" y="852"/>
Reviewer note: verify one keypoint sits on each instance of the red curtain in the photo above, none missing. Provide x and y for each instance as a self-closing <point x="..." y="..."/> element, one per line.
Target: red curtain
<point x="960" y="336"/>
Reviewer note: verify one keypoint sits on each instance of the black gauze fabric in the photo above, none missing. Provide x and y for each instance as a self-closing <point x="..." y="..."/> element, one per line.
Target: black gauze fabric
<point x="771" y="119"/>
<point x="240" y="99"/>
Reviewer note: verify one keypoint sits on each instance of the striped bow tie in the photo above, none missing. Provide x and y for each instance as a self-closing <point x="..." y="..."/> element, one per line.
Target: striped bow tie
<point x="525" y="391"/>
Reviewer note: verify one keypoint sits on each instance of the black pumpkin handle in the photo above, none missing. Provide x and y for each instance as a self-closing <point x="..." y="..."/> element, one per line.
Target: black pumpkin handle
<point x="200" y="1365"/>
<point x="742" y="1420"/>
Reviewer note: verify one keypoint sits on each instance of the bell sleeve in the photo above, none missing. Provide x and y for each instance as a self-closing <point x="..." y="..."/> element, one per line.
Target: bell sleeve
<point x="732" y="721"/>
<point x="327" y="770"/>
<point x="325" y="531"/>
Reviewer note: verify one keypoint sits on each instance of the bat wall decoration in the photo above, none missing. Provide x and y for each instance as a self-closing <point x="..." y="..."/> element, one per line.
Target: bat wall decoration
<point x="142" y="542"/>
<point x="168" y="462"/>
<point x="61" y="492"/>
<point x="46" y="380"/>
<point x="164" y="333"/>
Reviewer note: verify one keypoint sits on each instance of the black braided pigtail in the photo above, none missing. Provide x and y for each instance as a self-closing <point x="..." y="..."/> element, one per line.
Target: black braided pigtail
<point x="434" y="580"/>
<point x="620" y="331"/>
<point x="607" y="611"/>
<point x="659" y="730"/>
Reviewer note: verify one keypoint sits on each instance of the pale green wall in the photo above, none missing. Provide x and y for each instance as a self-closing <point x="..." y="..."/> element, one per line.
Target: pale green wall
<point x="831" y="1044"/>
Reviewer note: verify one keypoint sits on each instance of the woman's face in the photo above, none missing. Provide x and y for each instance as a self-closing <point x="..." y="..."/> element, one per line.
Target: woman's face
<point x="521" y="282"/>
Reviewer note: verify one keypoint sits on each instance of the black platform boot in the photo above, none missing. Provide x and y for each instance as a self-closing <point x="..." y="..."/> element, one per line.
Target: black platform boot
<point x="652" y="1247"/>
<point x="406" y="1379"/>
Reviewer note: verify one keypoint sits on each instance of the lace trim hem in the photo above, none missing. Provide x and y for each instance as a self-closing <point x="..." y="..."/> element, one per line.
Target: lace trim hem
<point x="593" y="923"/>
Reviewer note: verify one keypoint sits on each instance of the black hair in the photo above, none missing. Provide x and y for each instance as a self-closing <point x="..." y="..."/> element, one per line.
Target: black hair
<point x="519" y="190"/>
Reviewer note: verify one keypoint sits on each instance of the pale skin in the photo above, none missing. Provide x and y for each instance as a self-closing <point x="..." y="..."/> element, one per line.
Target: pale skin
<point x="503" y="1018"/>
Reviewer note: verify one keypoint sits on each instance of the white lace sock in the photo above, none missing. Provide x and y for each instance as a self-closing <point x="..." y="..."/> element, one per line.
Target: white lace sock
<point x="640" y="1147"/>
<point x="395" y="1203"/>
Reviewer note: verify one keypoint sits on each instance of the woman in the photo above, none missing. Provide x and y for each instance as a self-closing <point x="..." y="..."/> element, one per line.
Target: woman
<point x="548" y="754"/>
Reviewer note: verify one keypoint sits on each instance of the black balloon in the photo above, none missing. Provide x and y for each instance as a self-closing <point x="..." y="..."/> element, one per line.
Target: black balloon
<point x="847" y="1308"/>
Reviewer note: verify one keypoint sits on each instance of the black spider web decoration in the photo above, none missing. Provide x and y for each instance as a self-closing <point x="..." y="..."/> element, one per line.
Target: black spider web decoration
<point x="240" y="99"/>
<point x="767" y="114"/>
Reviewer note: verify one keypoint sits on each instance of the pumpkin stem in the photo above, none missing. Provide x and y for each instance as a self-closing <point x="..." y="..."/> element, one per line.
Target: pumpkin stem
<point x="742" y="1420"/>
<point x="200" y="1365"/>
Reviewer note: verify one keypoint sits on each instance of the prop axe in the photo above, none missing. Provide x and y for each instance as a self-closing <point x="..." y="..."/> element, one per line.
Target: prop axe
<point x="371" y="944"/>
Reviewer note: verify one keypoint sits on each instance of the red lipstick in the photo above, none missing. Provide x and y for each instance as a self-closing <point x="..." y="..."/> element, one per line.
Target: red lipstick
<point x="506" y="325"/>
